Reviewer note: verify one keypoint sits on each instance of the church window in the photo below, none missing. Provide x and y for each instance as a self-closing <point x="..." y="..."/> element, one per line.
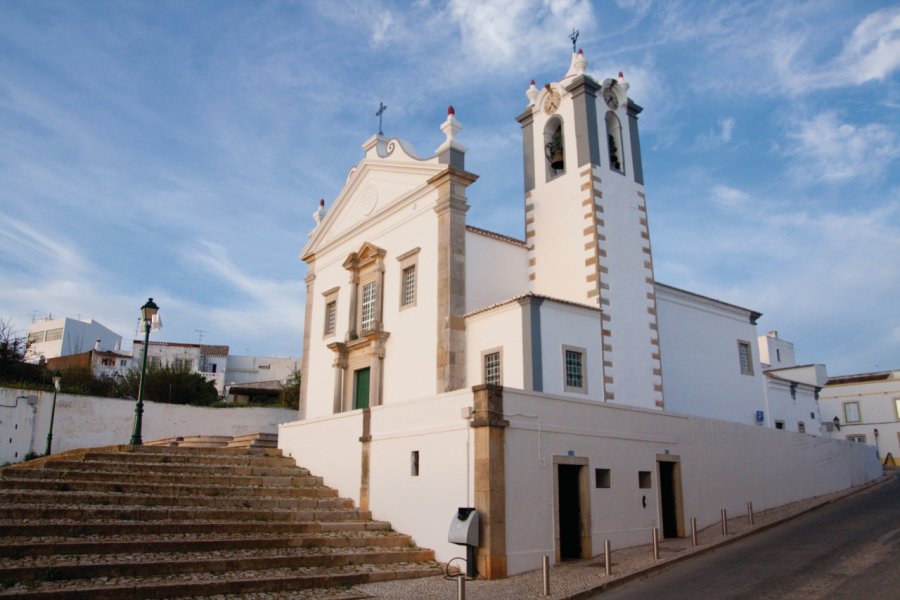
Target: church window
<point x="554" y="148"/>
<point x="614" y="142"/>
<point x="330" y="317"/>
<point x="409" y="277"/>
<point x="493" y="373"/>
<point x="408" y="293"/>
<point x="573" y="361"/>
<point x="367" y="307"/>
<point x="745" y="357"/>
<point x="851" y="412"/>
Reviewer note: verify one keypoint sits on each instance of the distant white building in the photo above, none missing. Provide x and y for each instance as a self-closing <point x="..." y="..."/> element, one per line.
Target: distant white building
<point x="864" y="408"/>
<point x="215" y="363"/>
<point x="792" y="390"/>
<point x="50" y="338"/>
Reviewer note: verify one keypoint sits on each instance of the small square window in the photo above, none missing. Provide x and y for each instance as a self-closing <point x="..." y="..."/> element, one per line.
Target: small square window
<point x="858" y="438"/>
<point x="779" y="424"/>
<point x="573" y="364"/>
<point x="644" y="480"/>
<point x="492" y="368"/>
<point x="601" y="478"/>
<point x="851" y="412"/>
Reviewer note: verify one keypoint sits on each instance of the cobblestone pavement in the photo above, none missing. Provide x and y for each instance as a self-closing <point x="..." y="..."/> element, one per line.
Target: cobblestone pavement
<point x="577" y="578"/>
<point x="570" y="580"/>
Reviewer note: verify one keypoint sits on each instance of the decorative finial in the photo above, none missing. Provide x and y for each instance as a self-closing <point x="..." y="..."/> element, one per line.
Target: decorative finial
<point x="319" y="212"/>
<point x="580" y="52"/>
<point x="621" y="75"/>
<point x="531" y="93"/>
<point x="379" y="114"/>
<point x="451" y="110"/>
<point x="574" y="37"/>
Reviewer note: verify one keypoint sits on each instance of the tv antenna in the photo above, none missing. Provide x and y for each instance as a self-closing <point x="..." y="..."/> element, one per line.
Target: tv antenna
<point x="200" y="333"/>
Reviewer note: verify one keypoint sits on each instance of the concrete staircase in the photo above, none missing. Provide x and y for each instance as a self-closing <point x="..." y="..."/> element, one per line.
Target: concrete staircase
<point x="169" y="522"/>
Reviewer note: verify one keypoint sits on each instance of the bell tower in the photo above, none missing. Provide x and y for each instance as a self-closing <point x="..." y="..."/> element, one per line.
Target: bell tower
<point x="586" y="221"/>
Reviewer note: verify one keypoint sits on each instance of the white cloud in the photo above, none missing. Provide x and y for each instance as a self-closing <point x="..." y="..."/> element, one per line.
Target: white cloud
<point x="872" y="53"/>
<point x="729" y="197"/>
<point x="503" y="32"/>
<point x="824" y="148"/>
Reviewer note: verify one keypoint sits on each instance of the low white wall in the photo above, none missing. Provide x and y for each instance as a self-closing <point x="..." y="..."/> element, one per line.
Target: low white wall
<point x="422" y="505"/>
<point x="88" y="421"/>
<point x="723" y="465"/>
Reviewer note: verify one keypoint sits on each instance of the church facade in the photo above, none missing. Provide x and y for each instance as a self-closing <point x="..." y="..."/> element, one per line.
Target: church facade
<point x="548" y="381"/>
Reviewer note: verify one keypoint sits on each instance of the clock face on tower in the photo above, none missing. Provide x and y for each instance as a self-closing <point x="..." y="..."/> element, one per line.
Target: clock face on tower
<point x="612" y="100"/>
<point x="551" y="102"/>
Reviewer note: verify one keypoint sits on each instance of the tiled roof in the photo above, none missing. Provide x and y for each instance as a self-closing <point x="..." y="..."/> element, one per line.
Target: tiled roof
<point x="861" y="378"/>
<point x="496" y="236"/>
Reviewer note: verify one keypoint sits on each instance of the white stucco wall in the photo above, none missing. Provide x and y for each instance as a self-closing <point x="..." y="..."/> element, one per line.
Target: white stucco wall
<point x="87" y="421"/>
<point x="700" y="363"/>
<point x="877" y="410"/>
<point x="723" y="465"/>
<point x="574" y="326"/>
<point x="496" y="270"/>
<point x="409" y="368"/>
<point x="497" y="329"/>
<point x="420" y="505"/>
<point x="792" y="410"/>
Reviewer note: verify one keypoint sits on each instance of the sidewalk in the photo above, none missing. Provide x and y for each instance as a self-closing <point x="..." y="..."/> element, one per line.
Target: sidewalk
<point x="579" y="579"/>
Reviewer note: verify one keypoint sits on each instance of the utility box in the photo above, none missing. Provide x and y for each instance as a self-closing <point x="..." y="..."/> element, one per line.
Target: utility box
<point x="464" y="527"/>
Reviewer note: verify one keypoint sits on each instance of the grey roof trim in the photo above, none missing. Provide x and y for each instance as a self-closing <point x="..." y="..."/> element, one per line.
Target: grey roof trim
<point x="496" y="236"/>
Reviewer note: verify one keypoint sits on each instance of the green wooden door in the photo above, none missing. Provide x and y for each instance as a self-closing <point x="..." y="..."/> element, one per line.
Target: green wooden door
<point x="361" y="389"/>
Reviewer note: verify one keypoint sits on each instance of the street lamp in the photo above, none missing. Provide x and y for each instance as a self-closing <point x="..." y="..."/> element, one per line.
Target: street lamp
<point x="56" y="379"/>
<point x="148" y="311"/>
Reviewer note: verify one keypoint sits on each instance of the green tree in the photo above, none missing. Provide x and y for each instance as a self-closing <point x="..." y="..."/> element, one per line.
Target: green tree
<point x="171" y="385"/>
<point x="13" y="350"/>
<point x="290" y="391"/>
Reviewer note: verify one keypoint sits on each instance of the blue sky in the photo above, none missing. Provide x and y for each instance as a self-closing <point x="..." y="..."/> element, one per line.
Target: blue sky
<point x="177" y="149"/>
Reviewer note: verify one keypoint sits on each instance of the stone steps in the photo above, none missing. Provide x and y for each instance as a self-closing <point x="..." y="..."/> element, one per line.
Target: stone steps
<point x="49" y="497"/>
<point x="59" y="546"/>
<point x="170" y="521"/>
<point x="77" y="485"/>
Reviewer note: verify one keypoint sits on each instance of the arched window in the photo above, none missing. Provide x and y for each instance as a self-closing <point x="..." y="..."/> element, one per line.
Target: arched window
<point x="554" y="148"/>
<point x="614" y="140"/>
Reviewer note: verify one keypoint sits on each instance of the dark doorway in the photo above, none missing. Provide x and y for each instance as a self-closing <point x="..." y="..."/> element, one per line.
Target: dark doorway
<point x="668" y="496"/>
<point x="361" y="388"/>
<point x="569" y="482"/>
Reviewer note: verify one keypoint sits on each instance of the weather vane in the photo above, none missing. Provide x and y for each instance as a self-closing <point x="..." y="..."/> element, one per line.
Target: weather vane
<point x="379" y="114"/>
<point x="574" y="37"/>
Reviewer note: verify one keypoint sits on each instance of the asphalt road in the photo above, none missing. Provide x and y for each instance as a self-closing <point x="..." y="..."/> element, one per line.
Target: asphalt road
<point x="849" y="549"/>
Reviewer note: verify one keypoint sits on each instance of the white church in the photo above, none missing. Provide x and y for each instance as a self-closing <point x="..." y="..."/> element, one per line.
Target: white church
<point x="551" y="383"/>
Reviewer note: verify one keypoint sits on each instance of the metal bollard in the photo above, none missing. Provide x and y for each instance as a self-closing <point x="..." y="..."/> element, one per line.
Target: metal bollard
<point x="749" y="513"/>
<point x="546" y="575"/>
<point x="461" y="586"/>
<point x="694" y="532"/>
<point x="724" y="522"/>
<point x="607" y="560"/>
<point x="655" y="543"/>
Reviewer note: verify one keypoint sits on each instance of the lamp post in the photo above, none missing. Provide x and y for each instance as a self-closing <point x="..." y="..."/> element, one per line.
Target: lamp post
<point x="56" y="379"/>
<point x="148" y="311"/>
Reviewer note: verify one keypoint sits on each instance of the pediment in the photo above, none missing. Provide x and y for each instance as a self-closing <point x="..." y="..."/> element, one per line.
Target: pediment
<point x="389" y="174"/>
